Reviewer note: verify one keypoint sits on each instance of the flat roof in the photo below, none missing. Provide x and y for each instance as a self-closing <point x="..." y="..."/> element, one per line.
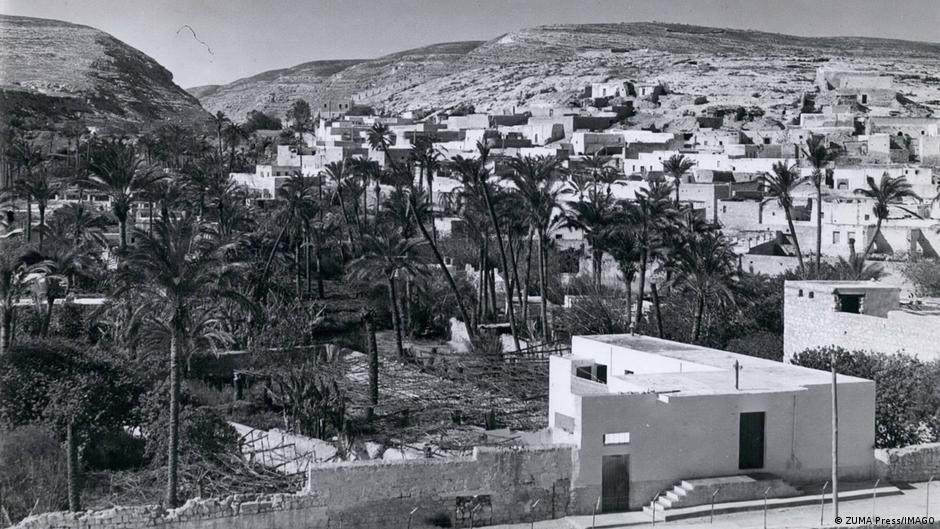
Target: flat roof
<point x="841" y="285"/>
<point x="757" y="375"/>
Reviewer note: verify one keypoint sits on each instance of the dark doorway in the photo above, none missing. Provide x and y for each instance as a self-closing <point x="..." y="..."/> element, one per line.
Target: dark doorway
<point x="751" y="441"/>
<point x="615" y="483"/>
<point x="850" y="303"/>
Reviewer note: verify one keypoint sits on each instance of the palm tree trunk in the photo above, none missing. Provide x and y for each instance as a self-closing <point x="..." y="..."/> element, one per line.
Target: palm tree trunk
<point x="373" y="366"/>
<point x="42" y="221"/>
<point x="871" y="243"/>
<point x="818" y="222"/>
<point x="443" y="266"/>
<point x="29" y="219"/>
<point x="174" y="442"/>
<point x="6" y="329"/>
<point x="396" y="320"/>
<point x="267" y="264"/>
<point x="597" y="257"/>
<point x="656" y="308"/>
<point x="150" y="218"/>
<point x="309" y="283"/>
<point x="72" y="469"/>
<point x="318" y="252"/>
<point x="122" y="223"/>
<point x="47" y="319"/>
<point x="796" y="242"/>
<point x="525" y="285"/>
<point x="639" y="297"/>
<point x="511" y="314"/>
<point x="542" y="291"/>
<point x="431" y="208"/>
<point x="697" y="320"/>
<point x="627" y="280"/>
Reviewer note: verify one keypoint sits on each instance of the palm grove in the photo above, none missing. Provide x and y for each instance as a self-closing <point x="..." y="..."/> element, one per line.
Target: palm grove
<point x="189" y="264"/>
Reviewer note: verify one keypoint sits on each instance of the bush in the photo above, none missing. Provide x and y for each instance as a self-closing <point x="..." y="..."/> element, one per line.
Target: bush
<point x="907" y="402"/>
<point x="925" y="275"/>
<point x="32" y="471"/>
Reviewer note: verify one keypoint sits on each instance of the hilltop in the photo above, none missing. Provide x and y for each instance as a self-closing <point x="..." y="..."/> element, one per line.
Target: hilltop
<point x="550" y="65"/>
<point x="53" y="71"/>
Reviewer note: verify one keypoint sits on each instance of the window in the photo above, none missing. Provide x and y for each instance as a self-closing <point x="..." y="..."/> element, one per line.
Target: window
<point x="867" y="216"/>
<point x="851" y="303"/>
<point x="812" y="295"/>
<point x="724" y="209"/>
<point x="835" y="237"/>
<point x="618" y="438"/>
<point x="766" y="141"/>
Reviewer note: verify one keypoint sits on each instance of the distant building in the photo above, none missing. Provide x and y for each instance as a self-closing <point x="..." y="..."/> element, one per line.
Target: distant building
<point x="645" y="413"/>
<point x="857" y="315"/>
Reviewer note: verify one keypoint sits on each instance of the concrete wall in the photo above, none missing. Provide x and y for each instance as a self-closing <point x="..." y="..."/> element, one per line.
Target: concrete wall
<point x="367" y="495"/>
<point x="911" y="463"/>
<point x="814" y="322"/>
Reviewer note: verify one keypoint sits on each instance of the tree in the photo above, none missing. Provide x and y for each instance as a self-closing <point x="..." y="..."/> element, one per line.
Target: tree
<point x="181" y="267"/>
<point x="819" y="156"/>
<point x="26" y="159"/>
<point x="299" y="113"/>
<point x="651" y="214"/>
<point x="536" y="180"/>
<point x="780" y="185"/>
<point x="120" y="173"/>
<point x="885" y="193"/>
<point x="390" y="255"/>
<point x="258" y="120"/>
<point x="703" y="265"/>
<point x="618" y="238"/>
<point x="591" y="216"/>
<point x="14" y="275"/>
<point x="677" y="166"/>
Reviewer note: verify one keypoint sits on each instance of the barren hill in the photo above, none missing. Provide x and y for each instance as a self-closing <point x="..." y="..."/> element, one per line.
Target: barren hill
<point x="550" y="65"/>
<point x="53" y="71"/>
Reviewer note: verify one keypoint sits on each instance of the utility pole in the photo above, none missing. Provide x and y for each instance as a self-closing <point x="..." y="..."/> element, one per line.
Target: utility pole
<point x="835" y="437"/>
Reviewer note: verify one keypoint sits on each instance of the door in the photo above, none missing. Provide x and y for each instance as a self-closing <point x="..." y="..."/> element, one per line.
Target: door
<point x="615" y="483"/>
<point x="751" y="441"/>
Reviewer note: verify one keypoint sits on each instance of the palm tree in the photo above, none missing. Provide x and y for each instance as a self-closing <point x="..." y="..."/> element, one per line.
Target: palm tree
<point x="178" y="269"/>
<point x="64" y="261"/>
<point x="221" y="121"/>
<point x="298" y="196"/>
<point x="390" y="255"/>
<point x="819" y="156"/>
<point x="338" y="172"/>
<point x="26" y="159"/>
<point x="618" y="238"/>
<point x="677" y="166"/>
<point x="591" y="216"/>
<point x="120" y="173"/>
<point x="780" y="185"/>
<point x="14" y="275"/>
<point x="535" y="179"/>
<point x="889" y="191"/>
<point x="651" y="214"/>
<point x="703" y="265"/>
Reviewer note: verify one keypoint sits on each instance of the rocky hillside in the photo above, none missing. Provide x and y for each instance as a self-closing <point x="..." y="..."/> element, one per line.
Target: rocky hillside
<point x="53" y="71"/>
<point x="550" y="65"/>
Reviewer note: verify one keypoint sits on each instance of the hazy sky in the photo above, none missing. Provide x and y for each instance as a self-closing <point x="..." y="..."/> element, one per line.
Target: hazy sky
<point x="249" y="36"/>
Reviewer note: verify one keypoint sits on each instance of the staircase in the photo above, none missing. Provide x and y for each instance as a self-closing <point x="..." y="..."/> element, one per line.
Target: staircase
<point x="695" y="492"/>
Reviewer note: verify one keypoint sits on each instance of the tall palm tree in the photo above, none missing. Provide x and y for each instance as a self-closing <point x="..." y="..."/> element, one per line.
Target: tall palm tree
<point x="338" y="173"/>
<point x="177" y="270"/>
<point x="120" y="173"/>
<point x="84" y="224"/>
<point x="299" y="201"/>
<point x="780" y="185"/>
<point x="651" y="214"/>
<point x="27" y="159"/>
<point x="64" y="261"/>
<point x="15" y="273"/>
<point x="819" y="156"/>
<point x="885" y="193"/>
<point x="591" y="217"/>
<point x="704" y="266"/>
<point x="617" y="236"/>
<point x="389" y="255"/>
<point x="677" y="166"/>
<point x="535" y="179"/>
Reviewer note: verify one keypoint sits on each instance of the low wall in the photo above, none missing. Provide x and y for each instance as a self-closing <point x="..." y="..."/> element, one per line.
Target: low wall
<point x="370" y="495"/>
<point x="911" y="463"/>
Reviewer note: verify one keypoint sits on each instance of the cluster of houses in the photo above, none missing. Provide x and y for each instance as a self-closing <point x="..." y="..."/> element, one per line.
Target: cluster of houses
<point x="876" y="129"/>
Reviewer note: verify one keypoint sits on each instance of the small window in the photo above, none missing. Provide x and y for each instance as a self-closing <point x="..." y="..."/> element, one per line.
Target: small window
<point x="835" y="237"/>
<point x="724" y="209"/>
<point x="627" y="372"/>
<point x="558" y="236"/>
<point x="867" y="216"/>
<point x="851" y="303"/>
<point x="618" y="438"/>
<point x="812" y="295"/>
<point x="800" y="293"/>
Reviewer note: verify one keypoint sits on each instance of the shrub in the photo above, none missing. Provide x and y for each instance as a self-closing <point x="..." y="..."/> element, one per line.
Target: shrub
<point x="906" y="398"/>
<point x="32" y="471"/>
<point x="925" y="275"/>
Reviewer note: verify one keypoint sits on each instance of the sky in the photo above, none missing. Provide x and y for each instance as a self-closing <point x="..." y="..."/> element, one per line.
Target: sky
<point x="231" y="39"/>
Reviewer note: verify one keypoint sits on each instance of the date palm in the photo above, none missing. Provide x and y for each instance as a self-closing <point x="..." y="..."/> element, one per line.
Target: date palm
<point x="652" y="215"/>
<point x="704" y="266"/>
<point x="27" y="159"/>
<point x="120" y="173"/>
<point x="181" y="267"/>
<point x="885" y="193"/>
<point x="819" y="156"/>
<point x="536" y="180"/>
<point x="780" y="186"/>
<point x="16" y="270"/>
<point x="591" y="217"/>
<point x="677" y="166"/>
<point x="391" y="256"/>
<point x="298" y="201"/>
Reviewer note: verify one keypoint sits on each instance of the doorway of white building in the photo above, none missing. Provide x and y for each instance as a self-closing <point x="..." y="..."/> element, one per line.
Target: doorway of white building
<point x="615" y="483"/>
<point x="751" y="441"/>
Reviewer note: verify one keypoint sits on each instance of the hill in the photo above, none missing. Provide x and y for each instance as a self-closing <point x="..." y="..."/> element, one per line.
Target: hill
<point x="550" y="65"/>
<point x="52" y="72"/>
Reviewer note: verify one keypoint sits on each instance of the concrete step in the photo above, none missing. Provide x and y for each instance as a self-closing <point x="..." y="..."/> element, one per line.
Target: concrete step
<point x="693" y="492"/>
<point x="665" y="515"/>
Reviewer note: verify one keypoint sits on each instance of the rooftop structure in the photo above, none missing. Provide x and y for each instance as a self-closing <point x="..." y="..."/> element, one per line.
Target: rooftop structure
<point x="857" y="315"/>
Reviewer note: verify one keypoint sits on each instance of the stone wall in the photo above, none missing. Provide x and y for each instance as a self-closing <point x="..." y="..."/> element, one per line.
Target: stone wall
<point x="911" y="463"/>
<point x="370" y="495"/>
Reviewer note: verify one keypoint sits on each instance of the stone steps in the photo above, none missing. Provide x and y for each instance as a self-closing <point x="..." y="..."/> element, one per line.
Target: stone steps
<point x="695" y="492"/>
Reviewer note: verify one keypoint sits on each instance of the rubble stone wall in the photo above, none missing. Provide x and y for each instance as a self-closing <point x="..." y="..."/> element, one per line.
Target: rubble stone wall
<point x="369" y="494"/>
<point x="911" y="463"/>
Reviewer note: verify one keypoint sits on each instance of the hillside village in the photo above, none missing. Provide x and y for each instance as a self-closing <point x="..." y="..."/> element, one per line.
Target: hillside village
<point x="647" y="301"/>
